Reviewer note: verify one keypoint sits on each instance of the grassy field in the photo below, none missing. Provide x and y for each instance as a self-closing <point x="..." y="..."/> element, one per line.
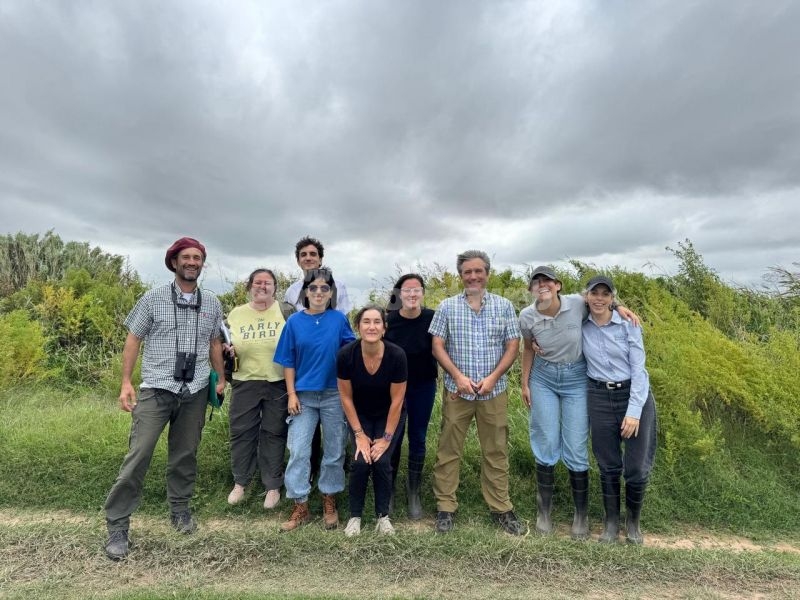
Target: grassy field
<point x="733" y="534"/>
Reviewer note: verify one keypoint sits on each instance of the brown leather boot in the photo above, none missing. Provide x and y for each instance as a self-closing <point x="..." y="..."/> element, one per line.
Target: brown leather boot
<point x="330" y="516"/>
<point x="299" y="516"/>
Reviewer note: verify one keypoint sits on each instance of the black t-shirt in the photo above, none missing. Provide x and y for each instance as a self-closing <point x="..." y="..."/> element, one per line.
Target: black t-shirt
<point x="413" y="337"/>
<point x="371" y="393"/>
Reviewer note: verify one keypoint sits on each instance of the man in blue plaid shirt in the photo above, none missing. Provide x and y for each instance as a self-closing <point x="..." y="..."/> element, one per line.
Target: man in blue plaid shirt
<point x="476" y="340"/>
<point x="179" y="325"/>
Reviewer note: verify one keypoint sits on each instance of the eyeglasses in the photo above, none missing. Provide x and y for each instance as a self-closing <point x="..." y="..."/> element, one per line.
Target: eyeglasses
<point x="322" y="288"/>
<point x="417" y="290"/>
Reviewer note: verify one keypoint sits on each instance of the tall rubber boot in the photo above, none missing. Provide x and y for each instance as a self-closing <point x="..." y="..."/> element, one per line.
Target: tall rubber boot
<point x="610" y="486"/>
<point x="634" y="498"/>
<point x="579" y="481"/>
<point x="415" y="465"/>
<point x="545" y="481"/>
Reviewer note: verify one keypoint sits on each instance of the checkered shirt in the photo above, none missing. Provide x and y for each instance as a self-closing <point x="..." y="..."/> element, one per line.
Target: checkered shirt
<point x="474" y="341"/>
<point x="153" y="320"/>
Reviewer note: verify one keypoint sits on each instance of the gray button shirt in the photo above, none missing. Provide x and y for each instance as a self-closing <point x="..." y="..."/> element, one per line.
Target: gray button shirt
<point x="559" y="337"/>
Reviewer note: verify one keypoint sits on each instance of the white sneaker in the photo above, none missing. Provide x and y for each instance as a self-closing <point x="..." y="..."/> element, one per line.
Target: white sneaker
<point x="236" y="495"/>
<point x="272" y="498"/>
<point x="384" y="526"/>
<point x="353" y="527"/>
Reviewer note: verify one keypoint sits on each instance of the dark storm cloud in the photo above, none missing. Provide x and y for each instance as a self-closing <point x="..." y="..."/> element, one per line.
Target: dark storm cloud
<point x="403" y="131"/>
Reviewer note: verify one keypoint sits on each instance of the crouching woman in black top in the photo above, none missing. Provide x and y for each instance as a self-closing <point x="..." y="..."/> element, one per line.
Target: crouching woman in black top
<point x="372" y="378"/>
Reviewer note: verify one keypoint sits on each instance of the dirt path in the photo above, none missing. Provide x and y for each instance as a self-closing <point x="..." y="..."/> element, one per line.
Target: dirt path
<point x="59" y="555"/>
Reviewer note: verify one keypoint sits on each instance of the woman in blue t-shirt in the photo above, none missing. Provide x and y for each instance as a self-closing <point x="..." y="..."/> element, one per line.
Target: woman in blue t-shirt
<point x="372" y="377"/>
<point x="307" y="350"/>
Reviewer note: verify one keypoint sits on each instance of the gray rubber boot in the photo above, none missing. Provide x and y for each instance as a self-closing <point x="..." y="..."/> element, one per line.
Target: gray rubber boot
<point x="579" y="481"/>
<point x="545" y="481"/>
<point x="634" y="498"/>
<point x="415" y="465"/>
<point x="610" y="487"/>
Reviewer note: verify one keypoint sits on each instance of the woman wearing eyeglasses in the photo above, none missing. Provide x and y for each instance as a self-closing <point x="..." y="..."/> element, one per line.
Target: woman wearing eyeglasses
<point x="408" y="323"/>
<point x="258" y="406"/>
<point x="307" y="351"/>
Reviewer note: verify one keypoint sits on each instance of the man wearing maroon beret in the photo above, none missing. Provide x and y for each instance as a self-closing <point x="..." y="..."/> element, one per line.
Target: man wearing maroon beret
<point x="179" y="325"/>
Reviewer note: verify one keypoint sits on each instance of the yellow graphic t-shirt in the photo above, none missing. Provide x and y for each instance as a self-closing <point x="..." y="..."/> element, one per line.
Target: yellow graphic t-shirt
<point x="255" y="336"/>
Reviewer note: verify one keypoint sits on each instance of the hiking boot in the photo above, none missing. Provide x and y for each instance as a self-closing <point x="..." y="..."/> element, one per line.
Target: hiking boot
<point x="384" y="526"/>
<point x="271" y="499"/>
<point x="444" y="522"/>
<point x="183" y="522"/>
<point x="330" y="516"/>
<point x="299" y="516"/>
<point x="117" y="544"/>
<point x="353" y="527"/>
<point x="236" y="495"/>
<point x="509" y="522"/>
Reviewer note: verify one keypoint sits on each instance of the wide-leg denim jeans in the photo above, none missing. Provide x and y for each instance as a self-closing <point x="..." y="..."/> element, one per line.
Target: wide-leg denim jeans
<point x="316" y="407"/>
<point x="559" y="420"/>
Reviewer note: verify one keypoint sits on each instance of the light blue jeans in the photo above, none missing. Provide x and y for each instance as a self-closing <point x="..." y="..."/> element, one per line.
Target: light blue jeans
<point x="559" y="425"/>
<point x="316" y="407"/>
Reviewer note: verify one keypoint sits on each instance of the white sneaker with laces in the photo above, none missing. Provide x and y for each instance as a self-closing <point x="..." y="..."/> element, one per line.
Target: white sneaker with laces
<point x="384" y="526"/>
<point x="272" y="498"/>
<point x="353" y="527"/>
<point x="236" y="495"/>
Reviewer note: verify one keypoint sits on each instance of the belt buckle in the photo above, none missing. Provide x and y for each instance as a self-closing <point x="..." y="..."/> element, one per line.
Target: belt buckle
<point x="613" y="385"/>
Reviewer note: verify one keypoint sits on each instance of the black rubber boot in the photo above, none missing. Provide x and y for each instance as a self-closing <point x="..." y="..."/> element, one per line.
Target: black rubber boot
<point x="415" y="465"/>
<point x="545" y="482"/>
<point x="634" y="498"/>
<point x="579" y="481"/>
<point x="610" y="487"/>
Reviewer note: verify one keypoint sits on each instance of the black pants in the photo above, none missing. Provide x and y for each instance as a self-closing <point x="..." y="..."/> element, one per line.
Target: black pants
<point x="381" y="471"/>
<point x="607" y="409"/>
<point x="258" y="431"/>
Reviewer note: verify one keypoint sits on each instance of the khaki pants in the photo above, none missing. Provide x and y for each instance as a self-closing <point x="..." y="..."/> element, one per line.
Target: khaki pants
<point x="491" y="417"/>
<point x="156" y="408"/>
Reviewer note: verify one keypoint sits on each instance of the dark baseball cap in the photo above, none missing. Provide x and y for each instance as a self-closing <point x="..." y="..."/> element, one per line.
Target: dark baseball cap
<point x="600" y="280"/>
<point x="546" y="272"/>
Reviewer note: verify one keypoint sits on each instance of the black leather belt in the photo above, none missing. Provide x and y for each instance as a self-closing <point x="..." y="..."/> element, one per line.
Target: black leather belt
<point x="611" y="385"/>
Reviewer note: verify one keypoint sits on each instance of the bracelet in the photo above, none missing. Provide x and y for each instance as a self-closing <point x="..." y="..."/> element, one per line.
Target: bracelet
<point x="357" y="432"/>
<point x="388" y="436"/>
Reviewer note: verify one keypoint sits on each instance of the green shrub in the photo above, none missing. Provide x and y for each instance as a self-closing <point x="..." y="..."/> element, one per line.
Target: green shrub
<point x="22" y="353"/>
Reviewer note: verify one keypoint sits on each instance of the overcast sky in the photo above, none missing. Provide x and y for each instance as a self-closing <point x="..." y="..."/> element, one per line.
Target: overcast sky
<point x="404" y="132"/>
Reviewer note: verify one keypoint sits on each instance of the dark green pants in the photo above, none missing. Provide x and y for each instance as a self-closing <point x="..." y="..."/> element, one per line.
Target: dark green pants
<point x="155" y="409"/>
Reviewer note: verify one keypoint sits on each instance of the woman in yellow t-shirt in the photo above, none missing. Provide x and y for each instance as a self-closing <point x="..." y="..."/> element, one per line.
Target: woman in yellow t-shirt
<point x="258" y="408"/>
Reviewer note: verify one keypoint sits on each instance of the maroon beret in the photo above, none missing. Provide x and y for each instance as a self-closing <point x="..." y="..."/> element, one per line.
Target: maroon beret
<point x="182" y="244"/>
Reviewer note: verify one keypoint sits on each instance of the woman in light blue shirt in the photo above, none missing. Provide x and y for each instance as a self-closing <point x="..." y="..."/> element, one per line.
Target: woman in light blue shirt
<point x="621" y="408"/>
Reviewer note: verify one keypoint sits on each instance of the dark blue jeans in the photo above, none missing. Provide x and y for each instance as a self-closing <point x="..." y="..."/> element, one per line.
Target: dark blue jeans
<point x="417" y="410"/>
<point x="381" y="471"/>
<point x="607" y="409"/>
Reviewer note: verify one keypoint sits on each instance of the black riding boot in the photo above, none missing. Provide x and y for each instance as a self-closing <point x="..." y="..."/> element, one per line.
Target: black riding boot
<point x="610" y="486"/>
<point x="634" y="498"/>
<point x="415" y="464"/>
<point x="544" y="498"/>
<point x="579" y="481"/>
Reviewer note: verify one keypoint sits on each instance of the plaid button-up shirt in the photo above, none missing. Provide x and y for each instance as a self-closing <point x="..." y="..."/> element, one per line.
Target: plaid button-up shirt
<point x="153" y="320"/>
<point x="476" y="342"/>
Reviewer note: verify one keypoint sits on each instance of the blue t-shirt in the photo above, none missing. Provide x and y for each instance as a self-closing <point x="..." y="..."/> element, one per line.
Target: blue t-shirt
<point x="309" y="343"/>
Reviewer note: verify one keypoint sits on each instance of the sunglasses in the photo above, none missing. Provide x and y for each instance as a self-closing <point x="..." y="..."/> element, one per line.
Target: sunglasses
<point x="322" y="288"/>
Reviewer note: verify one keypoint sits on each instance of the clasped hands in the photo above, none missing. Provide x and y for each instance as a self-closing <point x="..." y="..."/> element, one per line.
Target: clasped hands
<point x="370" y="449"/>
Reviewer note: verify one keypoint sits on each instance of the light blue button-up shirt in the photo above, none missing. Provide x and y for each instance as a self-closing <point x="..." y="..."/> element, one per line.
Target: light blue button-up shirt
<point x="615" y="352"/>
<point x="475" y="342"/>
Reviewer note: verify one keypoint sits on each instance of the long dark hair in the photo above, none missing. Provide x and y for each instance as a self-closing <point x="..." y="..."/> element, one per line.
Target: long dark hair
<point x="394" y="300"/>
<point x="327" y="276"/>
